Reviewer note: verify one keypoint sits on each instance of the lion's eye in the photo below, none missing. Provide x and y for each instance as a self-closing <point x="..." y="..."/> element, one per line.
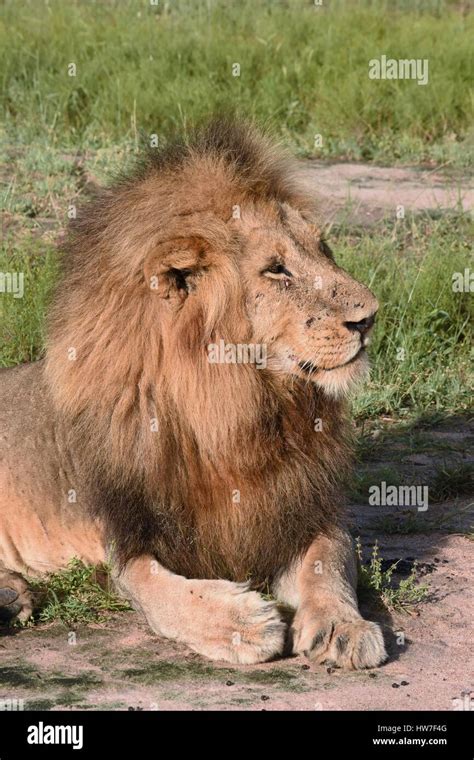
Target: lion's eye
<point x="277" y="269"/>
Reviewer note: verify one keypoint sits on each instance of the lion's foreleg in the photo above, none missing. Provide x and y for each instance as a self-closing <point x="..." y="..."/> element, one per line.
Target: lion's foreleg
<point x="219" y="619"/>
<point x="323" y="589"/>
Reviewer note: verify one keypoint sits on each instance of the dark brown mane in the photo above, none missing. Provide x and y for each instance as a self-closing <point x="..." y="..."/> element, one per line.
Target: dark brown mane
<point x="254" y="160"/>
<point x="232" y="481"/>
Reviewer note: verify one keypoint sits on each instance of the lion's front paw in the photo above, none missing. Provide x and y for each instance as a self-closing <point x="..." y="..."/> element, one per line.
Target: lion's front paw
<point x="15" y="599"/>
<point x="351" y="643"/>
<point x="236" y="625"/>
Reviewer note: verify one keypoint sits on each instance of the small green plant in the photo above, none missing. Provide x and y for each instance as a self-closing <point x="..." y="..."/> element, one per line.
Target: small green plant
<point x="78" y="594"/>
<point x="403" y="524"/>
<point x="451" y="482"/>
<point x="374" y="579"/>
<point x="362" y="481"/>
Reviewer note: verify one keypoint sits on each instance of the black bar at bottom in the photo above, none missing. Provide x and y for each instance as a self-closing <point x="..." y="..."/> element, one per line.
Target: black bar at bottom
<point x="95" y="734"/>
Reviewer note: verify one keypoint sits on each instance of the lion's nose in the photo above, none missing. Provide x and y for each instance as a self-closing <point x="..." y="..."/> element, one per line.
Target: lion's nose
<point x="362" y="326"/>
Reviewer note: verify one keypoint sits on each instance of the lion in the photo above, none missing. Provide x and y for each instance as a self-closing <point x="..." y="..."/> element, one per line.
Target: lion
<point x="144" y="439"/>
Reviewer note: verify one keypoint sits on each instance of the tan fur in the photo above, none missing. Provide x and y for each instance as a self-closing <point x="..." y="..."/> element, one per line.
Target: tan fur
<point x="217" y="470"/>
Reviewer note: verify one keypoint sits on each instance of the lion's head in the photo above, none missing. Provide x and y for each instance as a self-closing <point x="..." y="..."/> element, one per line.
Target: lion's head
<point x="200" y="328"/>
<point x="260" y="258"/>
<point x="295" y="312"/>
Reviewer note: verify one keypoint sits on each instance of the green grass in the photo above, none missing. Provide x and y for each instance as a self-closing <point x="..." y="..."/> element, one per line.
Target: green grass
<point x="451" y="482"/>
<point x="22" y="319"/>
<point x="407" y="523"/>
<point x="364" y="479"/>
<point x="79" y="594"/>
<point x="374" y="581"/>
<point x="422" y="354"/>
<point x="403" y="524"/>
<point x="304" y="71"/>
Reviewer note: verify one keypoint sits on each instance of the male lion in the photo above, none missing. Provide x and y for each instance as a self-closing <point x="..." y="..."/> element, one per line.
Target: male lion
<point x="199" y="479"/>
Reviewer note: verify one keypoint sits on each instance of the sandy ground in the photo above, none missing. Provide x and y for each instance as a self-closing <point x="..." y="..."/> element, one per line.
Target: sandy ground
<point x="121" y="665"/>
<point x="363" y="193"/>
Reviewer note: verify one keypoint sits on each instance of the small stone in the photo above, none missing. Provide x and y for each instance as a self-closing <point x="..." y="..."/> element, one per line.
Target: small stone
<point x="330" y="670"/>
<point x="404" y="683"/>
<point x="229" y="683"/>
<point x="395" y="685"/>
<point x="305" y="667"/>
<point x="264" y="698"/>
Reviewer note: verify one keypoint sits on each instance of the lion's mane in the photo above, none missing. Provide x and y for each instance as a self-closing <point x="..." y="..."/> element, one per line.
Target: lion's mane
<point x="217" y="470"/>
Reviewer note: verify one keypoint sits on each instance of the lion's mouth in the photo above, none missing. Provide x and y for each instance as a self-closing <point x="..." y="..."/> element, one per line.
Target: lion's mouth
<point x="310" y="368"/>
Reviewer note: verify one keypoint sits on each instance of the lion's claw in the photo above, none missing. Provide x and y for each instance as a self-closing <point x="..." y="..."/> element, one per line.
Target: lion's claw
<point x="347" y="643"/>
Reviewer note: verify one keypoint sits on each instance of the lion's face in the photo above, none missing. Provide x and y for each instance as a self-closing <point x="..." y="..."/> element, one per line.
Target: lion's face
<point x="301" y="314"/>
<point x="311" y="316"/>
<point x="278" y="292"/>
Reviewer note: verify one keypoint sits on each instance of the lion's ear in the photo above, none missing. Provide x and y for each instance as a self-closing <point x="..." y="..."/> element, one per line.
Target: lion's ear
<point x="172" y="269"/>
<point x="169" y="282"/>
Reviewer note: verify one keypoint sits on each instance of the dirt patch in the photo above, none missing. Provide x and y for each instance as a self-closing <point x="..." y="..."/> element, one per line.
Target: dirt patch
<point x="123" y="666"/>
<point x="364" y="194"/>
